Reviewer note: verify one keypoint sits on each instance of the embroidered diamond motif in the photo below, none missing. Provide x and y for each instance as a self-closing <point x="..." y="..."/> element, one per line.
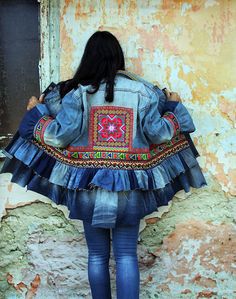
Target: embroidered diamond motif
<point x="111" y="128"/>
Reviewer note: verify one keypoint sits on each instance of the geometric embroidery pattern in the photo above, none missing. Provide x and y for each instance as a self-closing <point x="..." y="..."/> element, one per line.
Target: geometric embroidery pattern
<point x="41" y="126"/>
<point x="171" y="117"/>
<point x="110" y="142"/>
<point x="116" y="160"/>
<point x="111" y="128"/>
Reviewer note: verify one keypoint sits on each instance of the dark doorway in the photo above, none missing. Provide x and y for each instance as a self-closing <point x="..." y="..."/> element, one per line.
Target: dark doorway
<point x="19" y="59"/>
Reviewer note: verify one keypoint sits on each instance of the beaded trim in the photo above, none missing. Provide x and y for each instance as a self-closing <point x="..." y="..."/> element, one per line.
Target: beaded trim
<point x="118" y="160"/>
<point x="41" y="126"/>
<point x="171" y="117"/>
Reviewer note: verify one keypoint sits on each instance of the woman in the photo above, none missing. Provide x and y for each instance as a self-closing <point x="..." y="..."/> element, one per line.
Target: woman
<point x="112" y="148"/>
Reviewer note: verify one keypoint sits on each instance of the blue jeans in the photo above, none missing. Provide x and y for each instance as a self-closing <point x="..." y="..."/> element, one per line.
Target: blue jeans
<point x="124" y="243"/>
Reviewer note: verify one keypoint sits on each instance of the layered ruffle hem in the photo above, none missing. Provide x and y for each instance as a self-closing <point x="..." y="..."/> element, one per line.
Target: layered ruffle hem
<point x="101" y="196"/>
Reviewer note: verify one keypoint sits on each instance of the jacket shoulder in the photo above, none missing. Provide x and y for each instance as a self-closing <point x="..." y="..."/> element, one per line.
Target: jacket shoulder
<point x="129" y="85"/>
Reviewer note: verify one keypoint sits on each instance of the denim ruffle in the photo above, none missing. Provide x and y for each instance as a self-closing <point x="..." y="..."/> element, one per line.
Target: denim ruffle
<point x="130" y="194"/>
<point x="72" y="177"/>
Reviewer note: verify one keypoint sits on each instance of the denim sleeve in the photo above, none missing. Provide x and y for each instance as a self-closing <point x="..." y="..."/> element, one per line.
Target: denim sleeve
<point x="30" y="119"/>
<point x="53" y="101"/>
<point x="59" y="131"/>
<point x="157" y="128"/>
<point x="184" y="118"/>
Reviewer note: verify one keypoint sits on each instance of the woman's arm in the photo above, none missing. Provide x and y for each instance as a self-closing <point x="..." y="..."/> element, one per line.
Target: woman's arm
<point x="175" y="119"/>
<point x="175" y="105"/>
<point x="52" y="99"/>
<point x="59" y="131"/>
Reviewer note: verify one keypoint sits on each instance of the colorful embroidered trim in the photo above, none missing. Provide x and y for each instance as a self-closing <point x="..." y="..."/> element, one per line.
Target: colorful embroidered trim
<point x="129" y="160"/>
<point x="40" y="127"/>
<point x="111" y="128"/>
<point x="171" y="117"/>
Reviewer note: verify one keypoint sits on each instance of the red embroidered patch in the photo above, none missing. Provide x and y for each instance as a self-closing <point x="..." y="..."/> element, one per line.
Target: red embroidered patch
<point x="111" y="128"/>
<point x="41" y="126"/>
<point x="171" y="117"/>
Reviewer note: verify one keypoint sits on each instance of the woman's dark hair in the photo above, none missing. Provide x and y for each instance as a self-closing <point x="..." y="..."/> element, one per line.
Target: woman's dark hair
<point x="102" y="58"/>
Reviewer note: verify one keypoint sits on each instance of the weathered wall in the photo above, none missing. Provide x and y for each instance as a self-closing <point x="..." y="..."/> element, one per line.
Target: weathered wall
<point x="184" y="45"/>
<point x="186" y="250"/>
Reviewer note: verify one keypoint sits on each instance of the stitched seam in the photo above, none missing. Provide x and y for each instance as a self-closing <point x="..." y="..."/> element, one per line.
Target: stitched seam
<point x="121" y="89"/>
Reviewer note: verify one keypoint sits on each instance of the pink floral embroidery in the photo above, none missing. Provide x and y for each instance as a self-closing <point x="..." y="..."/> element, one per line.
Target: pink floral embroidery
<point x="111" y="128"/>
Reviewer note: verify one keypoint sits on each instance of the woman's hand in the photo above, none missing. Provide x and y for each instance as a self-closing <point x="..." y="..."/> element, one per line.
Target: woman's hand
<point x="172" y="96"/>
<point x="33" y="101"/>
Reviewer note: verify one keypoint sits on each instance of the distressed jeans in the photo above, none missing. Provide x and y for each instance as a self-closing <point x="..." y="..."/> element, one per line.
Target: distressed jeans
<point x="124" y="243"/>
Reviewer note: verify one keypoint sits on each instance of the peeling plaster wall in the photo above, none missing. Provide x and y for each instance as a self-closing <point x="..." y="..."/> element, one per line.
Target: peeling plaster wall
<point x="187" y="249"/>
<point x="187" y="46"/>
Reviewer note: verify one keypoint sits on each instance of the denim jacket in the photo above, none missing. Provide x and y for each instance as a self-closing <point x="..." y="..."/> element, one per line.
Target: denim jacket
<point x="138" y="147"/>
<point x="129" y="133"/>
<point x="140" y="141"/>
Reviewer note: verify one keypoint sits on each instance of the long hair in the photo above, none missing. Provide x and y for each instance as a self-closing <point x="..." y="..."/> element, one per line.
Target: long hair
<point x="102" y="58"/>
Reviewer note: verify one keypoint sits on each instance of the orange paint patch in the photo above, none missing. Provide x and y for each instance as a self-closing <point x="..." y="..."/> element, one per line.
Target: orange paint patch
<point x="232" y="179"/>
<point x="152" y="220"/>
<point x="219" y="174"/>
<point x="82" y="13"/>
<point x="176" y="4"/>
<point x="68" y="48"/>
<point x="187" y="245"/>
<point x="155" y="37"/>
<point x="9" y="187"/>
<point x="120" y="2"/>
<point x="65" y="7"/>
<point x="132" y="6"/>
<point x="31" y="290"/>
<point x="137" y="63"/>
<point x="228" y="109"/>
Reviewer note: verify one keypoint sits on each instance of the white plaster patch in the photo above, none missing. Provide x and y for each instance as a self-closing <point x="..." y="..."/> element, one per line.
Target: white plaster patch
<point x="202" y="161"/>
<point x="178" y="84"/>
<point x="208" y="124"/>
<point x="13" y="195"/>
<point x="184" y="8"/>
<point x="132" y="49"/>
<point x="189" y="249"/>
<point x="210" y="3"/>
<point x="203" y="81"/>
<point x="160" y="62"/>
<point x="186" y="68"/>
<point x="229" y="94"/>
<point x="211" y="168"/>
<point x="182" y="194"/>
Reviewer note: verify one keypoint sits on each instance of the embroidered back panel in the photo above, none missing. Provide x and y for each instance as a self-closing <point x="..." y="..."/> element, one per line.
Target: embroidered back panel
<point x="110" y="143"/>
<point x="111" y="128"/>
